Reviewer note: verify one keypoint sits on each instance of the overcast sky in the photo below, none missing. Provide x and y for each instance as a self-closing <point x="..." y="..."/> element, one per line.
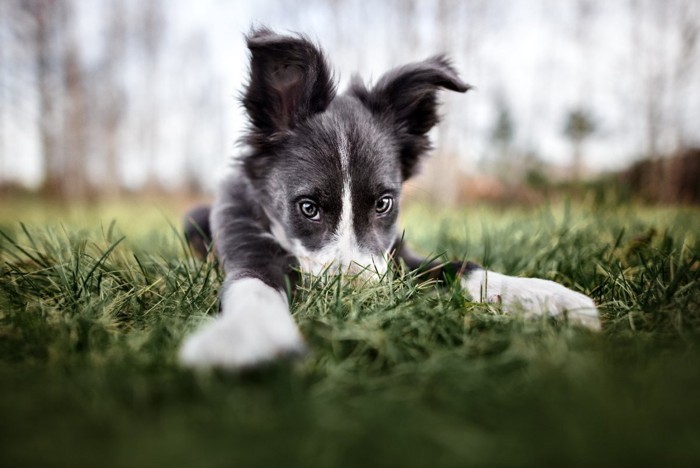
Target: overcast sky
<point x="527" y="53"/>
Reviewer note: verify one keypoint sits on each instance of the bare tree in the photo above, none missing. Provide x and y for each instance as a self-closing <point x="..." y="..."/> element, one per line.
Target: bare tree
<point x="48" y="21"/>
<point x="502" y="135"/>
<point x="111" y="96"/>
<point x="203" y="113"/>
<point x="62" y="91"/>
<point x="578" y="127"/>
<point x="151" y="25"/>
<point x="665" y="56"/>
<point x="444" y="178"/>
<point x="655" y="83"/>
<point x="4" y="67"/>
<point x="686" y="16"/>
<point x="75" y="184"/>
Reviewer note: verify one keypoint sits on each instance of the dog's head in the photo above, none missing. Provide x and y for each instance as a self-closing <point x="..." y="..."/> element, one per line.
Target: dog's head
<point x="328" y="169"/>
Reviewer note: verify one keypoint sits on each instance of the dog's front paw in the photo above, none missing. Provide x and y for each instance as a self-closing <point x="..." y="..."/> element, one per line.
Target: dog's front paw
<point x="234" y="344"/>
<point x="255" y="327"/>
<point x="532" y="296"/>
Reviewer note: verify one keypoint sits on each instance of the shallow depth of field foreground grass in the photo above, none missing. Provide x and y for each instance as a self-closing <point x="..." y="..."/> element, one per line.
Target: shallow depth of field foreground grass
<point x="399" y="375"/>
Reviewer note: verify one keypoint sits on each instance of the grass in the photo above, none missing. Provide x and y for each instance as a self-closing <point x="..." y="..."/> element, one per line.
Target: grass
<point x="399" y="375"/>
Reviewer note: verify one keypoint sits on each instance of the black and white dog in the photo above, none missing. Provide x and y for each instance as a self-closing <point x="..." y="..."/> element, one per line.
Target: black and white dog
<point x="319" y="190"/>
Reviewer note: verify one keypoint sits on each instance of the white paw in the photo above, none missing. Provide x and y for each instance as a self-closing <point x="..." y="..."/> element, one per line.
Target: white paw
<point x="532" y="296"/>
<point x="255" y="327"/>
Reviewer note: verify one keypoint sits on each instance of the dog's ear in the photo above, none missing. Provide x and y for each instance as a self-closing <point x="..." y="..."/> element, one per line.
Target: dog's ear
<point x="406" y="98"/>
<point x="289" y="81"/>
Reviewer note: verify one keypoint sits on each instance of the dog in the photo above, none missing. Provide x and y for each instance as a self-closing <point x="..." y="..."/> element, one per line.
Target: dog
<point x="318" y="190"/>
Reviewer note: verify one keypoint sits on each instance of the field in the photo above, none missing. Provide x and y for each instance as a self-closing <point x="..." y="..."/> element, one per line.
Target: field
<point x="94" y="303"/>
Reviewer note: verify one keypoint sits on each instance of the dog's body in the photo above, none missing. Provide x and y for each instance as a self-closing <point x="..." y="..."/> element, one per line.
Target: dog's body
<point x="319" y="191"/>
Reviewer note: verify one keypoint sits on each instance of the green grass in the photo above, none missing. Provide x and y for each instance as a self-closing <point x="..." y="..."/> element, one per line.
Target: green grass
<point x="399" y="374"/>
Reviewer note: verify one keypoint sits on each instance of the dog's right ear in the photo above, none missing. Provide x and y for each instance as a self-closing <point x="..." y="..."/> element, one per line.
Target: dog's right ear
<point x="289" y="82"/>
<point x="406" y="99"/>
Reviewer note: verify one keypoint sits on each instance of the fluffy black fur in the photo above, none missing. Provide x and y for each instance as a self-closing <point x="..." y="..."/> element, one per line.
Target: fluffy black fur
<point x="319" y="190"/>
<point x="298" y="128"/>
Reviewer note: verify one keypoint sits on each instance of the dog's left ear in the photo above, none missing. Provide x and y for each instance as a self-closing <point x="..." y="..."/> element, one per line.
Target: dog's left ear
<point x="406" y="98"/>
<point x="289" y="82"/>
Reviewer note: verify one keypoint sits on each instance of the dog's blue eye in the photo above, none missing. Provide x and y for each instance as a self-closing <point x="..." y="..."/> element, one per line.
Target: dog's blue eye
<point x="384" y="204"/>
<point x="310" y="210"/>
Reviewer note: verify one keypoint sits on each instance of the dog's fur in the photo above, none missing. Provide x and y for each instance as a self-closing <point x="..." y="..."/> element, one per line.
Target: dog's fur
<point x="319" y="190"/>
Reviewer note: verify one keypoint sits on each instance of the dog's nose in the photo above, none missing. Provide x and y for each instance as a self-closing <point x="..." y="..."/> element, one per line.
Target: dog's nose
<point x="373" y="269"/>
<point x="354" y="268"/>
<point x="345" y="268"/>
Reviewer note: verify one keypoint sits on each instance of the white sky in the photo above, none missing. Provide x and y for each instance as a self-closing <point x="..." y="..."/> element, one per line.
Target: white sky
<point x="523" y="50"/>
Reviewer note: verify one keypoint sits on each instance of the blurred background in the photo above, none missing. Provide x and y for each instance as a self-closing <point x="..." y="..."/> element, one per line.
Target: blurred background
<point x="102" y="99"/>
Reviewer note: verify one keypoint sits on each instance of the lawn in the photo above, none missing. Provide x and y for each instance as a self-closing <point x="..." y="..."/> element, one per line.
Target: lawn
<point x="93" y="306"/>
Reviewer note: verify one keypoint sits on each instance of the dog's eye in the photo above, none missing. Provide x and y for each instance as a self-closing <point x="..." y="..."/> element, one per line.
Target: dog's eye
<point x="384" y="204"/>
<point x="310" y="210"/>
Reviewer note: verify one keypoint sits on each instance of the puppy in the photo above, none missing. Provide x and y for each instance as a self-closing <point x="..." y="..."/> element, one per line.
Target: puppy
<point x="319" y="190"/>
